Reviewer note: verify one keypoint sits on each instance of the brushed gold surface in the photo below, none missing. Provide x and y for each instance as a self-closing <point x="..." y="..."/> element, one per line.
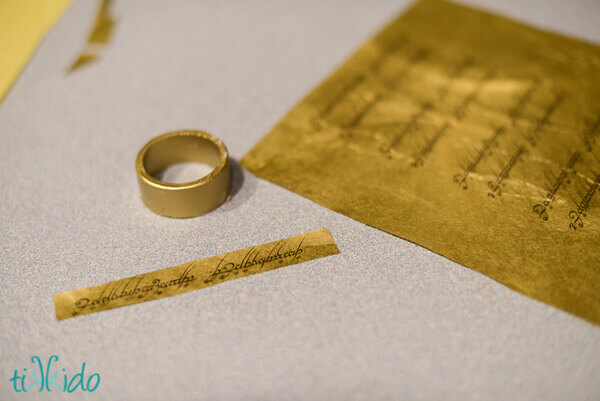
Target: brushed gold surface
<point x="188" y="199"/>
<point x="467" y="133"/>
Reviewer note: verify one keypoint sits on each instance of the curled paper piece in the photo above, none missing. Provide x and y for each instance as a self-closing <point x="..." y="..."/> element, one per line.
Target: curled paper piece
<point x="195" y="275"/>
<point x="98" y="38"/>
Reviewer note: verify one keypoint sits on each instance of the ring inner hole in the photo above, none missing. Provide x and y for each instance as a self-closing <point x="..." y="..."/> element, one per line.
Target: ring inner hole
<point x="181" y="159"/>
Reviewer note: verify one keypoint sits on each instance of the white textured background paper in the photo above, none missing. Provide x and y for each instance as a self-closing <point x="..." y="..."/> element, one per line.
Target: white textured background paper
<point x="385" y="319"/>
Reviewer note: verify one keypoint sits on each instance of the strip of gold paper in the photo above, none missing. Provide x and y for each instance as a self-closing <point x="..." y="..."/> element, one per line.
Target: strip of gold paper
<point x="99" y="37"/>
<point x="467" y="133"/>
<point x="195" y="275"/>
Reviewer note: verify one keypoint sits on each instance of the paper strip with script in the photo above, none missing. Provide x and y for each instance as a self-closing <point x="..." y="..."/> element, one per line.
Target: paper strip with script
<point x="195" y="275"/>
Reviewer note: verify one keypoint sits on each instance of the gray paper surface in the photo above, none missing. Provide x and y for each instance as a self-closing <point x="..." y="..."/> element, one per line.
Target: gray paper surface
<point x="385" y="319"/>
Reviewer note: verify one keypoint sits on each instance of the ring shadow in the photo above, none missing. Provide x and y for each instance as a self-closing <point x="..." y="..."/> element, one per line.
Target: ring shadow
<point x="240" y="179"/>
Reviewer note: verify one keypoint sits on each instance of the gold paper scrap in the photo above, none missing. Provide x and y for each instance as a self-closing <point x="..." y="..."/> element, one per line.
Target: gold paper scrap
<point x="195" y="275"/>
<point x="467" y="133"/>
<point x="98" y="38"/>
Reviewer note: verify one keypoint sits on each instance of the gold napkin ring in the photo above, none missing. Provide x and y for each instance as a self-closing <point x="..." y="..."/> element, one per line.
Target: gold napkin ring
<point x="188" y="199"/>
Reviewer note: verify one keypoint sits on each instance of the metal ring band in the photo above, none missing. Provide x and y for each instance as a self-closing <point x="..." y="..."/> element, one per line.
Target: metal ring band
<point x="189" y="199"/>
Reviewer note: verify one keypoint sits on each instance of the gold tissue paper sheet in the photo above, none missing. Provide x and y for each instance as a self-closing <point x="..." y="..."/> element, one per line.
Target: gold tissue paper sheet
<point x="467" y="133"/>
<point x="196" y="274"/>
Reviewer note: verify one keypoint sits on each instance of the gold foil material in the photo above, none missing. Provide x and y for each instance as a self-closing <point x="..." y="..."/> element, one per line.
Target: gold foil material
<point x="100" y="35"/>
<point x="467" y="133"/>
<point x="195" y="275"/>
